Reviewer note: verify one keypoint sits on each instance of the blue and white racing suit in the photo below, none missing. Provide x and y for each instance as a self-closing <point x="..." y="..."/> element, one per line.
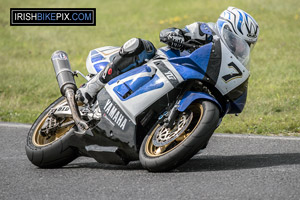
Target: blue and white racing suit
<point x="136" y="52"/>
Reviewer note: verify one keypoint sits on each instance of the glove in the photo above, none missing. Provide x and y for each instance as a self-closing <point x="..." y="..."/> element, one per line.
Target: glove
<point x="175" y="40"/>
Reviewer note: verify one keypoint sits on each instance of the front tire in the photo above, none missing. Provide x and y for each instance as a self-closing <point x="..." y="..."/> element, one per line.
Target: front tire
<point x="50" y="152"/>
<point x="163" y="149"/>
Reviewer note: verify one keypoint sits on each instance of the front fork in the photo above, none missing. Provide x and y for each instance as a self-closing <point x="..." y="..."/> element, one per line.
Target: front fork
<point x="169" y="121"/>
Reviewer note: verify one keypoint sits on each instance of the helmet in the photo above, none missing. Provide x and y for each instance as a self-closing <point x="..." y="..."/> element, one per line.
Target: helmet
<point x="240" y="23"/>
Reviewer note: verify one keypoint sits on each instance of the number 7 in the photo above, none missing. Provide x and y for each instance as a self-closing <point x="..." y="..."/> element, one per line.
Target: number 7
<point x="231" y="76"/>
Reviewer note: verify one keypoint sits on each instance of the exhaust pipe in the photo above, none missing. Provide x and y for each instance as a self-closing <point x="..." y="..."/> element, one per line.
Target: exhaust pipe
<point x="67" y="85"/>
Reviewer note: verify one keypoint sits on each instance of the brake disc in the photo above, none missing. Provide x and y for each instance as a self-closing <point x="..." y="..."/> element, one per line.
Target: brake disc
<point x="165" y="135"/>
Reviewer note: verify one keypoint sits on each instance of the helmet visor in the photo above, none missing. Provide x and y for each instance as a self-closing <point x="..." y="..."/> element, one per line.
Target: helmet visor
<point x="237" y="46"/>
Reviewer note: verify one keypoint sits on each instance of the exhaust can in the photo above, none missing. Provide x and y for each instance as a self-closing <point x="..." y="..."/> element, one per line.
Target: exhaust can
<point x="64" y="74"/>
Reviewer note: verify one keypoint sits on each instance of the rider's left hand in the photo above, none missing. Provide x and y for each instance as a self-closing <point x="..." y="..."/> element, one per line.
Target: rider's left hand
<point x="175" y="40"/>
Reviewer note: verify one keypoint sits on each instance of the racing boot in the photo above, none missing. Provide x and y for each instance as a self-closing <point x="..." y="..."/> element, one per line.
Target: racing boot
<point x="88" y="91"/>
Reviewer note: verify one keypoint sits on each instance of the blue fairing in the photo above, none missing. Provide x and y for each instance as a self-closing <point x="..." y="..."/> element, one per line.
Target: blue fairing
<point x="136" y="85"/>
<point x="191" y="96"/>
<point x="154" y="83"/>
<point x="100" y="66"/>
<point x="238" y="105"/>
<point x="131" y="85"/>
<point x="96" y="57"/>
<point x="193" y="66"/>
<point x="94" y="52"/>
<point x="121" y="90"/>
<point x="132" y="72"/>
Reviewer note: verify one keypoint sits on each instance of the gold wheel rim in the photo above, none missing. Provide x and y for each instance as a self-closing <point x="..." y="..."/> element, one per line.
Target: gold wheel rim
<point x="39" y="140"/>
<point x="155" y="151"/>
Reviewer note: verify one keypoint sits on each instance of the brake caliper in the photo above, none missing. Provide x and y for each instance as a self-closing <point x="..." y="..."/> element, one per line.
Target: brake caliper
<point x="51" y="124"/>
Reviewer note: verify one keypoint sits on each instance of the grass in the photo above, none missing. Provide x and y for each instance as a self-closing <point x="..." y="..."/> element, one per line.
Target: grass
<point x="27" y="80"/>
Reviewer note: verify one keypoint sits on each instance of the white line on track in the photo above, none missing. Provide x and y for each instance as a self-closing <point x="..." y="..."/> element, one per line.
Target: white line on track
<point x="14" y="125"/>
<point x="247" y="136"/>
<point x="224" y="135"/>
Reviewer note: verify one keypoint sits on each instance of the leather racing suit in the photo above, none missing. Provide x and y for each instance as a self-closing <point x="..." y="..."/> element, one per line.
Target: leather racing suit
<point x="136" y="52"/>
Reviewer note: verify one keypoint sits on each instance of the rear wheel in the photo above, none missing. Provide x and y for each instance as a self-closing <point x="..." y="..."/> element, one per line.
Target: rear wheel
<point x="164" y="149"/>
<point x="49" y="150"/>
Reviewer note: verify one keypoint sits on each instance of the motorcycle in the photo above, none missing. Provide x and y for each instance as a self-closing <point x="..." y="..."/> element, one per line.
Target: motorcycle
<point x="161" y="113"/>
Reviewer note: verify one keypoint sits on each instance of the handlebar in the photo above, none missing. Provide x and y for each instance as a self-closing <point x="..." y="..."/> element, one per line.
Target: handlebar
<point x="185" y="45"/>
<point x="188" y="45"/>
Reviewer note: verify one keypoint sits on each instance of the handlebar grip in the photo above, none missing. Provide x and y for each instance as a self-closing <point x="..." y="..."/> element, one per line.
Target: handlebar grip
<point x="184" y="44"/>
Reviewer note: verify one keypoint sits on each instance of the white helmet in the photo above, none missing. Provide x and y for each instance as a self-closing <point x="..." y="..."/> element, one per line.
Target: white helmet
<point x="240" y="23"/>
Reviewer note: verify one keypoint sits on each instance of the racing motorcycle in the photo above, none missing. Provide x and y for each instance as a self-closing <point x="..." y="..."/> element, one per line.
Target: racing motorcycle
<point x="161" y="113"/>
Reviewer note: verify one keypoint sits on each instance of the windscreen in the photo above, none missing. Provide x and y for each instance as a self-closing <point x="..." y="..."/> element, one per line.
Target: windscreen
<point x="238" y="47"/>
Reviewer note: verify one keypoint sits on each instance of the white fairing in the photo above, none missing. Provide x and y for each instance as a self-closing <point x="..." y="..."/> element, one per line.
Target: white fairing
<point x="105" y="54"/>
<point x="227" y="68"/>
<point x="134" y="106"/>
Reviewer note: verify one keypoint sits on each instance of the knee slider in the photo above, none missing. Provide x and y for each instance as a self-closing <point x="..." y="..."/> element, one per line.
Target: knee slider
<point x="133" y="53"/>
<point x="132" y="47"/>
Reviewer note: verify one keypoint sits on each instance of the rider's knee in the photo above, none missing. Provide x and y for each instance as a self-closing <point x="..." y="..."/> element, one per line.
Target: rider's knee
<point x="133" y="53"/>
<point x="137" y="50"/>
<point x="138" y="47"/>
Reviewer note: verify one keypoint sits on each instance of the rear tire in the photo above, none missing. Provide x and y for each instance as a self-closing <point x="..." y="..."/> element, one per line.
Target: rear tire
<point x="52" y="152"/>
<point x="163" y="149"/>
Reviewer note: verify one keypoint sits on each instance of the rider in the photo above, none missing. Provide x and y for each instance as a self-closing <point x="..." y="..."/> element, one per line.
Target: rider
<point x="137" y="51"/>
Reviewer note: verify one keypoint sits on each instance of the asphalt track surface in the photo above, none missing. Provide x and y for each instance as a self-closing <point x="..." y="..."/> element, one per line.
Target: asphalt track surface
<point x="232" y="167"/>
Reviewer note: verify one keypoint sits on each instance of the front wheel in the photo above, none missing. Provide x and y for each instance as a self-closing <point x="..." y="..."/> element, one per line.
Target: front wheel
<point x="164" y="149"/>
<point x="51" y="150"/>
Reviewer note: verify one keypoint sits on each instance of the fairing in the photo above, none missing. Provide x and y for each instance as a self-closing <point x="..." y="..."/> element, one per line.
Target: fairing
<point x="237" y="46"/>
<point x="98" y="58"/>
